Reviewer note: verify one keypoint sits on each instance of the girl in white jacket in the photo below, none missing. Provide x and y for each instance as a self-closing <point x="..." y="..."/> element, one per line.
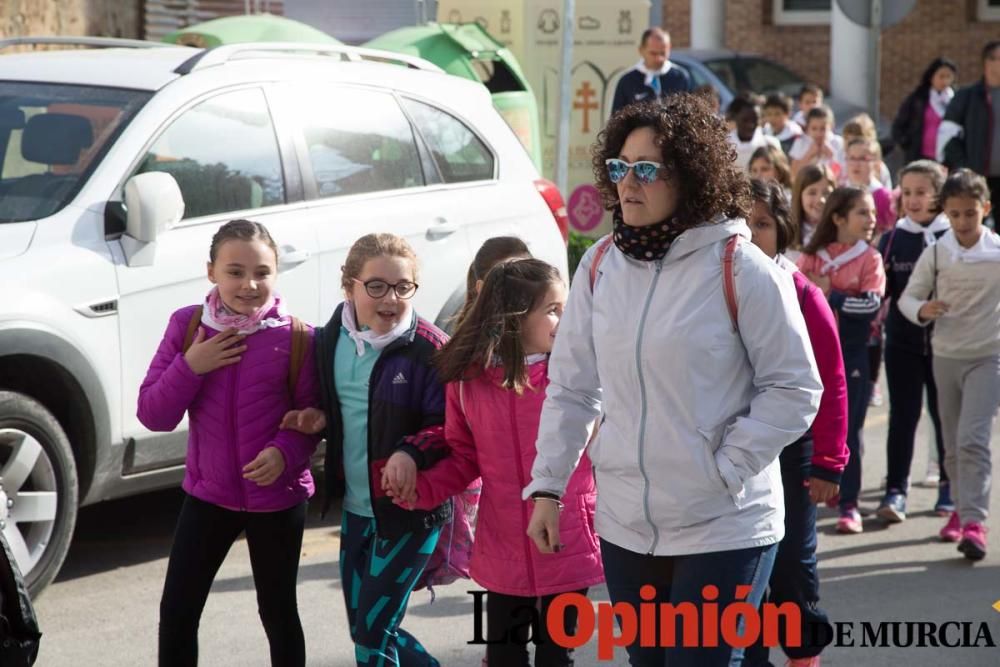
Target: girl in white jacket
<point x="696" y="400"/>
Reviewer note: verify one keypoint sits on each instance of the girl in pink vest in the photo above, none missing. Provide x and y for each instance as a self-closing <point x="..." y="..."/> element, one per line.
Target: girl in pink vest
<point x="235" y="371"/>
<point x="496" y="369"/>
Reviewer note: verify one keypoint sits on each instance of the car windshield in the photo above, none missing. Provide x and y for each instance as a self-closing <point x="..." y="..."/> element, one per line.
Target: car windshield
<point x="52" y="136"/>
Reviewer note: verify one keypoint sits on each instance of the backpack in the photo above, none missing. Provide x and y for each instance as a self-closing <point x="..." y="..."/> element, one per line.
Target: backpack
<point x="19" y="634"/>
<point x="300" y="339"/>
<point x="728" y="276"/>
<point x="452" y="554"/>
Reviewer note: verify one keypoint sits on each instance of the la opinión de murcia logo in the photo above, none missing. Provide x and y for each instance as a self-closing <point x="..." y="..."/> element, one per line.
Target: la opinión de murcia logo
<point x="738" y="624"/>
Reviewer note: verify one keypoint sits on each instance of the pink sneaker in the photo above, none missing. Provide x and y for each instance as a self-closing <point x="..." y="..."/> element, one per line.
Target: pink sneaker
<point x="952" y="531"/>
<point x="849" y="522"/>
<point x="803" y="662"/>
<point x="973" y="543"/>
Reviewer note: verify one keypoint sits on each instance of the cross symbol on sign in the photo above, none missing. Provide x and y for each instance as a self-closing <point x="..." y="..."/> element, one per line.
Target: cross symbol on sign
<point x="586" y="103"/>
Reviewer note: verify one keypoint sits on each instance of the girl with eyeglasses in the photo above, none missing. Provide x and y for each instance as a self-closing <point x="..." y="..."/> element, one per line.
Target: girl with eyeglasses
<point x="696" y="400"/>
<point x="380" y="393"/>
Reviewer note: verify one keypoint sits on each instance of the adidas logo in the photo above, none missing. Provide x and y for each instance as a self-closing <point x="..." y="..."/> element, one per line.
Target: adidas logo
<point x="399" y="379"/>
<point x="855" y="374"/>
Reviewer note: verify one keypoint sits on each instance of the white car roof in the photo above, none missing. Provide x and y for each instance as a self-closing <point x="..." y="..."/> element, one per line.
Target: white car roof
<point x="137" y="69"/>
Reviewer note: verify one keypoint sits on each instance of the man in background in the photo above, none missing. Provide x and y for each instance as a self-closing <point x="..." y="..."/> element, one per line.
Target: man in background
<point x="654" y="76"/>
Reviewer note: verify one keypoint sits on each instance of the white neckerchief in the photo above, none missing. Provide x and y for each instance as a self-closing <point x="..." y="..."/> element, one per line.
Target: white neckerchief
<point x="986" y="250"/>
<point x="650" y="73"/>
<point x="362" y="336"/>
<point x="930" y="230"/>
<point x="939" y="100"/>
<point x="831" y="264"/>
<point x="535" y="358"/>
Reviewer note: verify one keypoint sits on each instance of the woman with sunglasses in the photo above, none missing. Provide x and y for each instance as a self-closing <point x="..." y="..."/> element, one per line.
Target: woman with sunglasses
<point x="696" y="400"/>
<point x="380" y="395"/>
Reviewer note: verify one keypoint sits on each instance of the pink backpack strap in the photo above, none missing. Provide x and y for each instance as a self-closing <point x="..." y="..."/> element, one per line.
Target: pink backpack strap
<point x="602" y="248"/>
<point x="729" y="278"/>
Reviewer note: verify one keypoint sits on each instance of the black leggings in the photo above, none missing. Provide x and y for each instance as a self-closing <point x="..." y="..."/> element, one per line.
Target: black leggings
<point x="509" y="617"/>
<point x="201" y="541"/>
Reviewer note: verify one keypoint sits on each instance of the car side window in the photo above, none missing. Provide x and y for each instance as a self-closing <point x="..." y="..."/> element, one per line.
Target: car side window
<point x="459" y="153"/>
<point x="358" y="141"/>
<point x="724" y="71"/>
<point x="223" y="154"/>
<point x="767" y="77"/>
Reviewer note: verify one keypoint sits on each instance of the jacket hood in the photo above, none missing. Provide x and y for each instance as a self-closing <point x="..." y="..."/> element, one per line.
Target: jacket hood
<point x="706" y="234"/>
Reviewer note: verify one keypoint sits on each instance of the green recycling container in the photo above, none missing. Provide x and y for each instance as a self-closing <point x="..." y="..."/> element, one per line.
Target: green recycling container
<point x="466" y="50"/>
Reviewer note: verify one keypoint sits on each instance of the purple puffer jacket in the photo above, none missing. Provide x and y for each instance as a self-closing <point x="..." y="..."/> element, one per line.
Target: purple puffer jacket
<point x="234" y="413"/>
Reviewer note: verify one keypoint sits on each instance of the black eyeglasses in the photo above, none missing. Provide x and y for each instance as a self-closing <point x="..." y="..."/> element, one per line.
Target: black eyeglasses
<point x="377" y="288"/>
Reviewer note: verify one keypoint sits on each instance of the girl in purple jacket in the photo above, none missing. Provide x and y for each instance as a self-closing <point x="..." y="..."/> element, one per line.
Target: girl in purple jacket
<point x="233" y="371"/>
<point x="496" y="369"/>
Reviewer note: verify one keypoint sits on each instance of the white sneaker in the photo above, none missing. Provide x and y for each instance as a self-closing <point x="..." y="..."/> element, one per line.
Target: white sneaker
<point x="932" y="477"/>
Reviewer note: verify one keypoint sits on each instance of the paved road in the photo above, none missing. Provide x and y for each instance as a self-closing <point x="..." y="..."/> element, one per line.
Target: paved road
<point x="102" y="610"/>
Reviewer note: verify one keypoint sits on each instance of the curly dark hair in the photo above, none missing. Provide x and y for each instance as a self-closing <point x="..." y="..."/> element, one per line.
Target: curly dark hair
<point x="696" y="155"/>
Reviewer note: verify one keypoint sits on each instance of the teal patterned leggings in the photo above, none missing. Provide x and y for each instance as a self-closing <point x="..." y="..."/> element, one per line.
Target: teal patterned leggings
<point x="377" y="576"/>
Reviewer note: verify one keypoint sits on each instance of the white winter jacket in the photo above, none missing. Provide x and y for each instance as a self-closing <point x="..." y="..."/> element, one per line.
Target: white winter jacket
<point x="694" y="414"/>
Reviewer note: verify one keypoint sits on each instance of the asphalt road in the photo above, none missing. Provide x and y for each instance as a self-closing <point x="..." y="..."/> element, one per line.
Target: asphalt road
<point x="102" y="610"/>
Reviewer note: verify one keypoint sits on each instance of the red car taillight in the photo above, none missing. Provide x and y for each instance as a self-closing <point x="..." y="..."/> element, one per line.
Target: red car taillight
<point x="550" y="193"/>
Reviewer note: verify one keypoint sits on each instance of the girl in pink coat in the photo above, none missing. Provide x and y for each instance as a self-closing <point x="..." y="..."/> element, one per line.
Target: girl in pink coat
<point x="496" y="369"/>
<point x="236" y="364"/>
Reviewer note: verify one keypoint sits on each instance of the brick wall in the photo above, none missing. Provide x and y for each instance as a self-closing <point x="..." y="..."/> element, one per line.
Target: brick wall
<point x="804" y="49"/>
<point x="677" y="21"/>
<point x="106" y="18"/>
<point x="929" y="32"/>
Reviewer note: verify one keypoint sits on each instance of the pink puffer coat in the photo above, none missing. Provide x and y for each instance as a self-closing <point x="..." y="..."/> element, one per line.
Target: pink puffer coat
<point x="495" y="439"/>
<point x="234" y="413"/>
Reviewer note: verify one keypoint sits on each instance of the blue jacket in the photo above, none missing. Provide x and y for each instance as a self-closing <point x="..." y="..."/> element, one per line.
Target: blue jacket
<point x="405" y="410"/>
<point x="632" y="87"/>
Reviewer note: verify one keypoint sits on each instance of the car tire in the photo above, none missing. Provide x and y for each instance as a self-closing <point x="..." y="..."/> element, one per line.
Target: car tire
<point x="38" y="488"/>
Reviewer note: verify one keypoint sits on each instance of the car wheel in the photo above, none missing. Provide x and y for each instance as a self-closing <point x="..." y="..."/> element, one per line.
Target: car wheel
<point x="38" y="488"/>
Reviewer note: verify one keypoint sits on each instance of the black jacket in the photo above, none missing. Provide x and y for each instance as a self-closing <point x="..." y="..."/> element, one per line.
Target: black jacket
<point x="971" y="108"/>
<point x="900" y="250"/>
<point x="632" y="87"/>
<point x="908" y="126"/>
<point x="405" y="411"/>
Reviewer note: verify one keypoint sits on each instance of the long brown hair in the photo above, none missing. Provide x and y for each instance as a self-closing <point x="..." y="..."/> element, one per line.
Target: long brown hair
<point x="492" y="329"/>
<point x="808" y="175"/>
<point x="838" y="204"/>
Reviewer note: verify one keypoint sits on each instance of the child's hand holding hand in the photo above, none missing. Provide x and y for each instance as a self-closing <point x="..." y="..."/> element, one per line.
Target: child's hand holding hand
<point x="266" y="468"/>
<point x="309" y="421"/>
<point x="204" y="356"/>
<point x="399" y="478"/>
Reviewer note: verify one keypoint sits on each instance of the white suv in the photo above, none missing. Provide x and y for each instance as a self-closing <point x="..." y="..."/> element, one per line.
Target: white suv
<point x="117" y="165"/>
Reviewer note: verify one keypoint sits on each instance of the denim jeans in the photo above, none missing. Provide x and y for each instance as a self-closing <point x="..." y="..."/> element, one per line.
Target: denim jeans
<point x="794" y="578"/>
<point x="681" y="579"/>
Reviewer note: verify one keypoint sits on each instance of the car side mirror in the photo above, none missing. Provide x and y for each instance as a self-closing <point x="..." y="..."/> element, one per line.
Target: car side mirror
<point x="153" y="204"/>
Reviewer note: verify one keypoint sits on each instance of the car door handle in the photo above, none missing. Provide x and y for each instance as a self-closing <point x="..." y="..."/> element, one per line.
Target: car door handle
<point x="441" y="229"/>
<point x="290" y="257"/>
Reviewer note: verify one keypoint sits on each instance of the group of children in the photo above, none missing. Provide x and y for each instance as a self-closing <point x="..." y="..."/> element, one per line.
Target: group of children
<point x="410" y="418"/>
